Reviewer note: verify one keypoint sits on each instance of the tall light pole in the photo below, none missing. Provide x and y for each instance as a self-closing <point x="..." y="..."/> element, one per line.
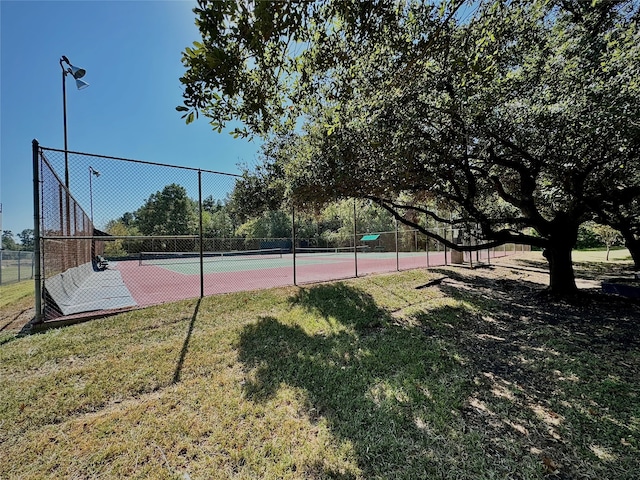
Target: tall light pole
<point x="77" y="73"/>
<point x="92" y="172"/>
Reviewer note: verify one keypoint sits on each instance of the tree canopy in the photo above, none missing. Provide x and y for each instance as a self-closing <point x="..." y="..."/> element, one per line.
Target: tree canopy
<point x="8" y="242"/>
<point x="27" y="239"/>
<point x="167" y="212"/>
<point x="517" y="118"/>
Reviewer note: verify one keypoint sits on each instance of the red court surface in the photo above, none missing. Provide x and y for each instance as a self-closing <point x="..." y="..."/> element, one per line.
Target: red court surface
<point x="151" y="284"/>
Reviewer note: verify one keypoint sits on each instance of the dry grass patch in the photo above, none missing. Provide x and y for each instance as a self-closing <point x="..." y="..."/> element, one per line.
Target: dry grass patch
<point x="16" y="307"/>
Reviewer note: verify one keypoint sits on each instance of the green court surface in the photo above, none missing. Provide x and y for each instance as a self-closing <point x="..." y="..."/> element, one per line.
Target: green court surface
<point x="230" y="264"/>
<point x="239" y="265"/>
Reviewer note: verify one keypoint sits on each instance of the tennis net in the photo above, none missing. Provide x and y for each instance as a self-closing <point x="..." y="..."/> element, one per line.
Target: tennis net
<point x="322" y="251"/>
<point x="166" y="258"/>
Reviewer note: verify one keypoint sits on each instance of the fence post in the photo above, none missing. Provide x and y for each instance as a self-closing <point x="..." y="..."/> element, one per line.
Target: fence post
<point x="200" y="233"/>
<point x="355" y="234"/>
<point x="36" y="231"/>
<point x="426" y="246"/>
<point x="397" y="248"/>
<point x="0" y="266"/>
<point x="444" y="234"/>
<point x="293" y="242"/>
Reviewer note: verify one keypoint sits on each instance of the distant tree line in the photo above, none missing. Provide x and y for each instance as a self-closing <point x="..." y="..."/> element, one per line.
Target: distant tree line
<point x="26" y="240"/>
<point x="170" y="211"/>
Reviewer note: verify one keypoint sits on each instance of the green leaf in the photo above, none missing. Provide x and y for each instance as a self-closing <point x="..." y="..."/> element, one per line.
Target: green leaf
<point x="442" y="9"/>
<point x="190" y="118"/>
<point x="182" y="108"/>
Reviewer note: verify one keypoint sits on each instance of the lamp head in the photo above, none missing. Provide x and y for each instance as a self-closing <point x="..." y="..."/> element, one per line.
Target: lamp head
<point x="95" y="172"/>
<point x="77" y="72"/>
<point x="81" y="84"/>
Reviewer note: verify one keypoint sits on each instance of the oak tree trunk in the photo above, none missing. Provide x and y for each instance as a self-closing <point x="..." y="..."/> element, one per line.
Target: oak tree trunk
<point x="633" y="245"/>
<point x="562" y="279"/>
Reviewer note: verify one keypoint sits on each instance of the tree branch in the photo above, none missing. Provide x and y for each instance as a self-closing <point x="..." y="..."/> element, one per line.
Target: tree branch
<point x="499" y="238"/>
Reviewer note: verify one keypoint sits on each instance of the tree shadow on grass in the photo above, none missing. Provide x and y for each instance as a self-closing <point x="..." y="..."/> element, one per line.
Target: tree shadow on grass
<point x="588" y="313"/>
<point x="393" y="393"/>
<point x="569" y="366"/>
<point x="471" y="390"/>
<point x="583" y="270"/>
<point x="516" y="317"/>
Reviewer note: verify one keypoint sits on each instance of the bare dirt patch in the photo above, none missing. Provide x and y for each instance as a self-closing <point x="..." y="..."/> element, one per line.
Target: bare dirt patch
<point x="15" y="316"/>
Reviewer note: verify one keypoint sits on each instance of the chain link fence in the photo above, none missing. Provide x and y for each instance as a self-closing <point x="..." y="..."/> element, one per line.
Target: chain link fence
<point x="16" y="266"/>
<point x="126" y="234"/>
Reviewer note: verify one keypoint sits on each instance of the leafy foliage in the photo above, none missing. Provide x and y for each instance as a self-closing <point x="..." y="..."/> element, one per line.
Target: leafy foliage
<point x="26" y="239"/>
<point x="121" y="227"/>
<point x="8" y="243"/>
<point x="271" y="224"/>
<point x="512" y="118"/>
<point x="167" y="212"/>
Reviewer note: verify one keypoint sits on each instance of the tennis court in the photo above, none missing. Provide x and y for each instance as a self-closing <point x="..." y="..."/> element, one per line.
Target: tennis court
<point x="188" y="263"/>
<point x="156" y="278"/>
<point x="160" y="260"/>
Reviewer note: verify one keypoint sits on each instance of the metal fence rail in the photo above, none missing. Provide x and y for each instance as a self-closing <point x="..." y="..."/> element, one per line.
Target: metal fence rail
<point x="156" y="233"/>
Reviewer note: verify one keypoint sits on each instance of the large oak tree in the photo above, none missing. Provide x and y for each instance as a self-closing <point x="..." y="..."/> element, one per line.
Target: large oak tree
<point x="518" y="118"/>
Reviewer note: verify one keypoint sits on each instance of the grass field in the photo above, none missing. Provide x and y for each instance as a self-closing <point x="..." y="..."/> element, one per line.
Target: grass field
<point x="445" y="373"/>
<point x="11" y="273"/>
<point x="12" y="293"/>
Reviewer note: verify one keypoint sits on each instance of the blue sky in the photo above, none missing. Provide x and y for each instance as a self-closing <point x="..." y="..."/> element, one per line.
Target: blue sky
<point x="131" y="51"/>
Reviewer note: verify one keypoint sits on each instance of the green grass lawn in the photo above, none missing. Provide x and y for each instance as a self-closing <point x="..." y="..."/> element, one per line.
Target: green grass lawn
<point x="423" y="374"/>
<point x="16" y="308"/>
<point x="11" y="273"/>
<point x="14" y="292"/>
